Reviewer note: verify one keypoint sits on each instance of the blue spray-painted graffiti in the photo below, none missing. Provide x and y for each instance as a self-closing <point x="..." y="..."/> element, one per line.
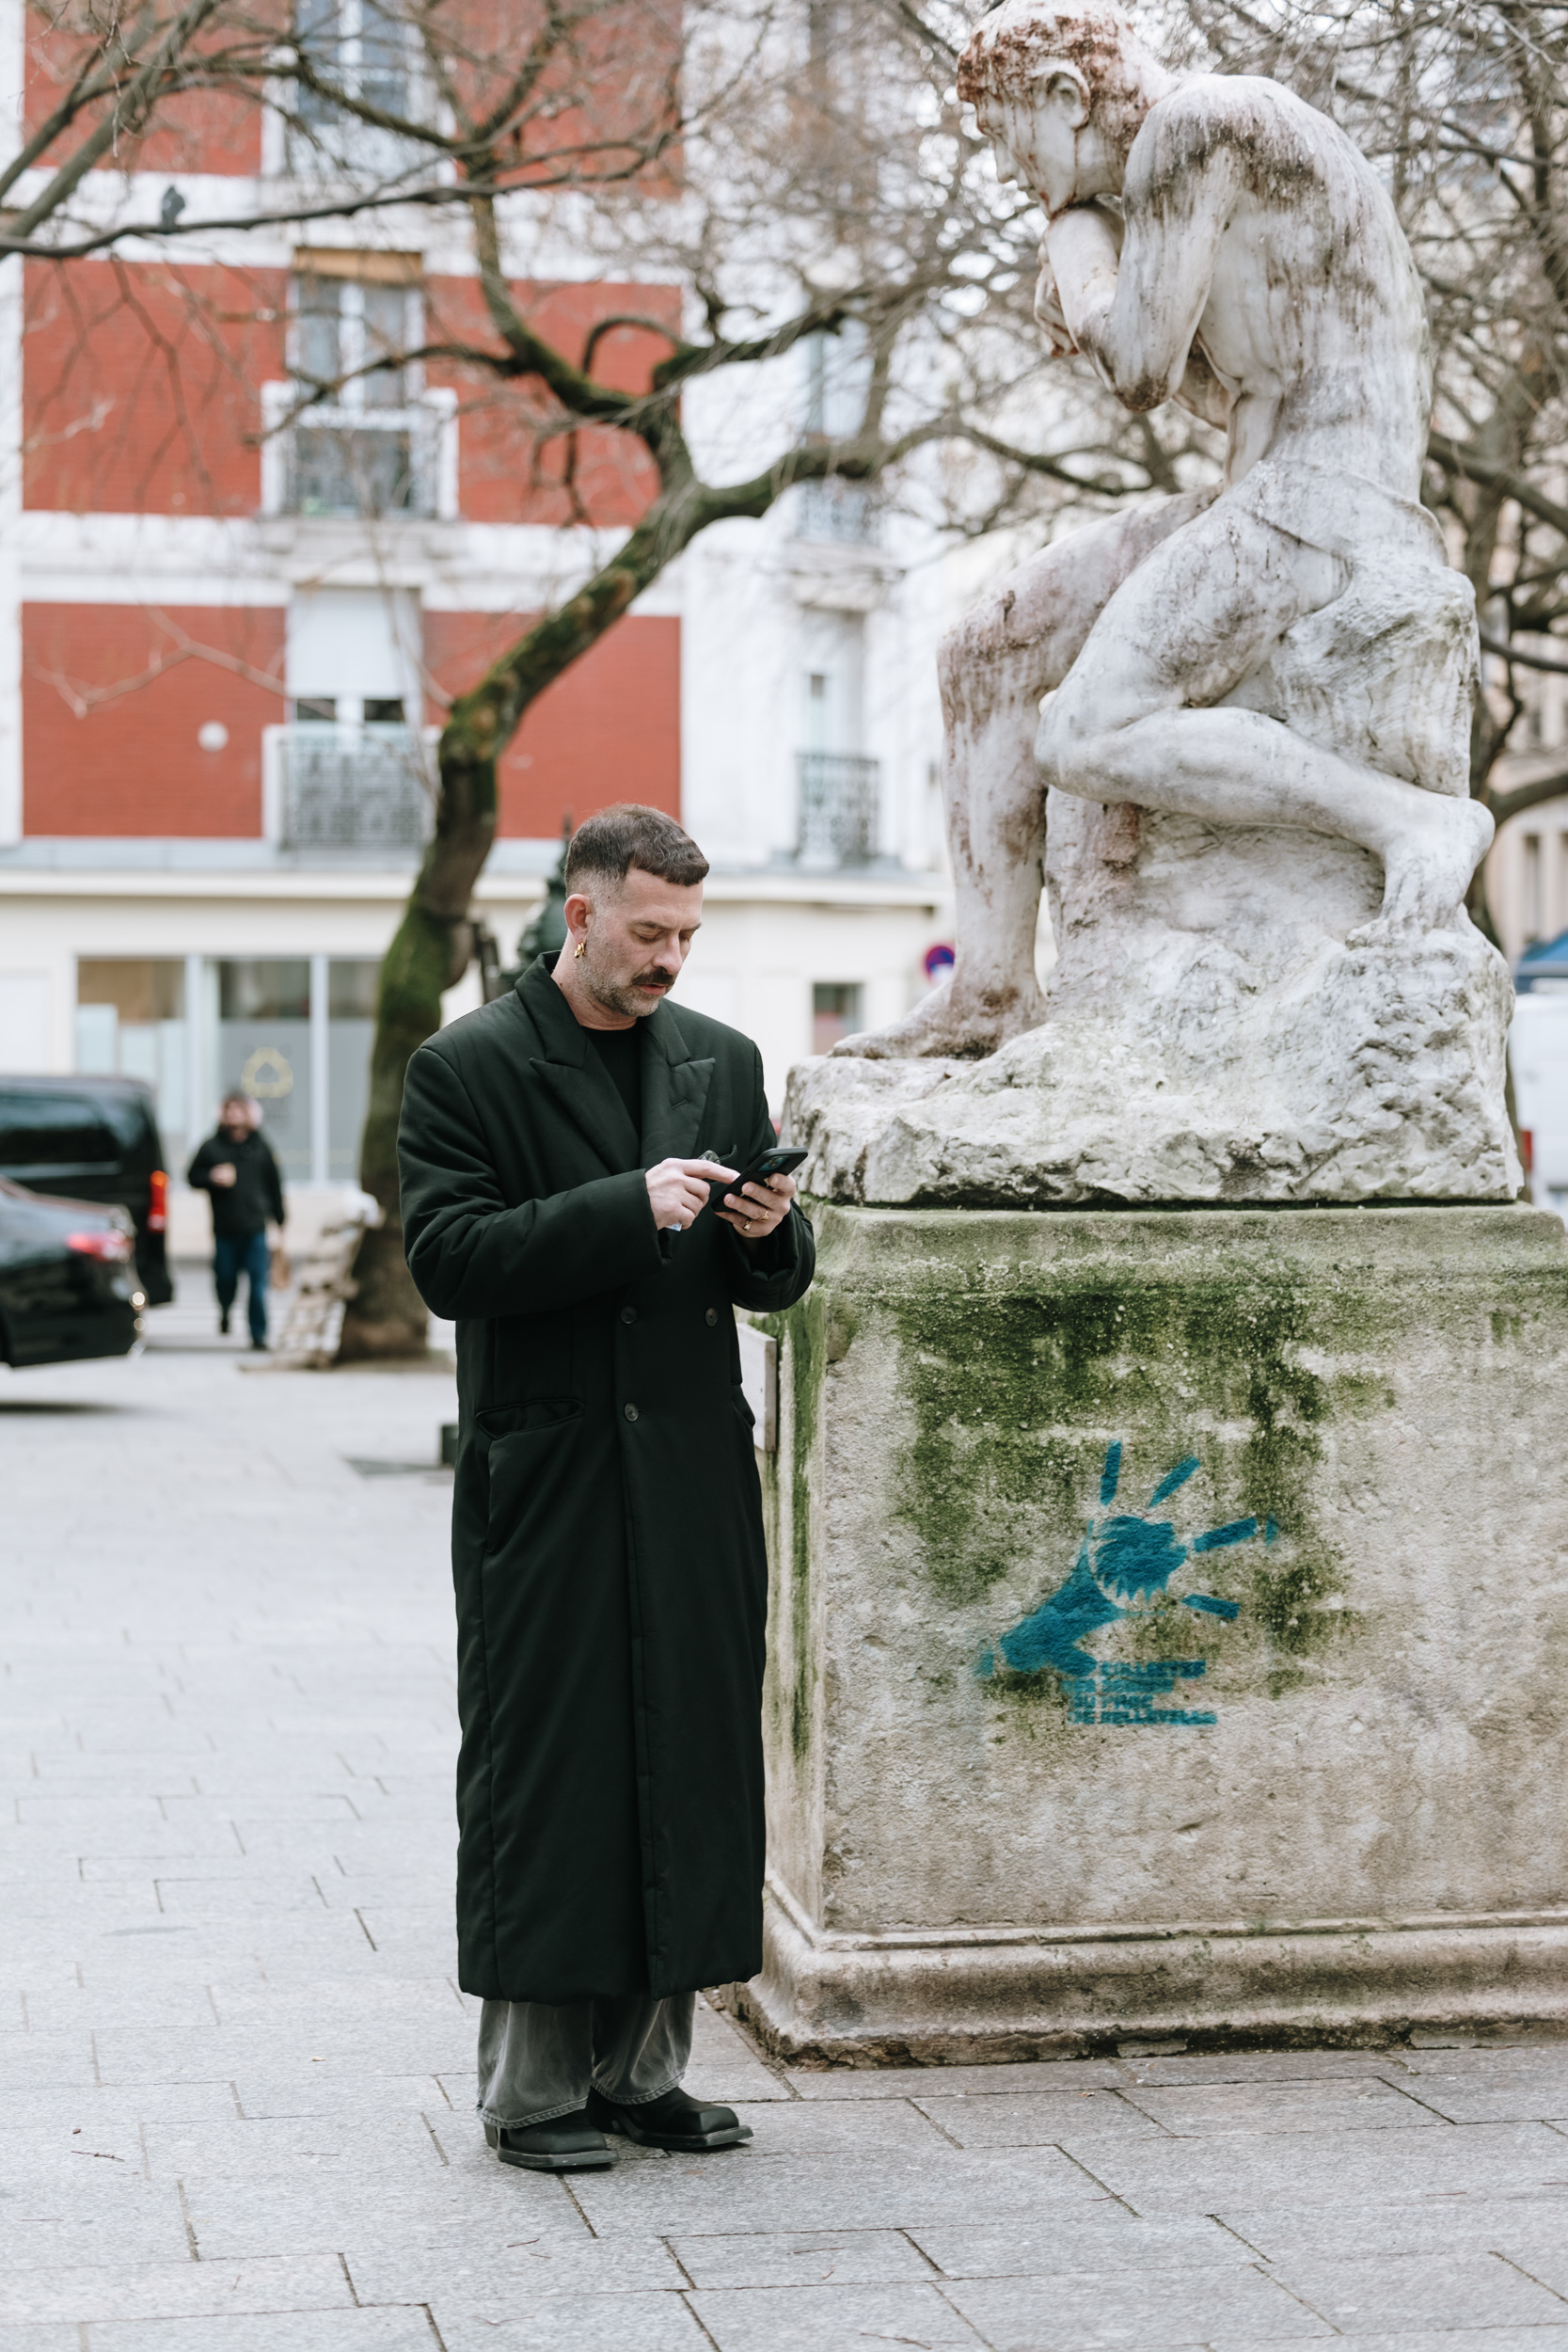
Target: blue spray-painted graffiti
<point x="1125" y="1557"/>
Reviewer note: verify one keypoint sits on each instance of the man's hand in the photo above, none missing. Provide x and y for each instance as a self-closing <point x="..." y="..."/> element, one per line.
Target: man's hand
<point x="759" y="1209"/>
<point x="223" y="1174"/>
<point x="678" y="1190"/>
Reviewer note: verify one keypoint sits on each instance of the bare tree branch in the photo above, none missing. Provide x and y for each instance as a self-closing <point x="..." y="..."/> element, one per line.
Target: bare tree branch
<point x="1518" y="654"/>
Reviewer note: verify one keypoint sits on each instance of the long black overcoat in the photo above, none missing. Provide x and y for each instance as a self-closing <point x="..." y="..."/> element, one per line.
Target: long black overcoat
<point x="607" y="1521"/>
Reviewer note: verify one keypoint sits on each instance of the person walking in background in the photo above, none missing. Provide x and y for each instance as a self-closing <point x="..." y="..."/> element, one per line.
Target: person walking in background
<point x="570" y="1160"/>
<point x="236" y="1170"/>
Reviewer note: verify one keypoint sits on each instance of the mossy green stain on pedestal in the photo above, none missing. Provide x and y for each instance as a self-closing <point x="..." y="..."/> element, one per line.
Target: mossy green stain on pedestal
<point x="1002" y="1386"/>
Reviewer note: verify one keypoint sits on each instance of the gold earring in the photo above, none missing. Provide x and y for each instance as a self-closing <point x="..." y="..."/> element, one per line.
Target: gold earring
<point x="580" y="949"/>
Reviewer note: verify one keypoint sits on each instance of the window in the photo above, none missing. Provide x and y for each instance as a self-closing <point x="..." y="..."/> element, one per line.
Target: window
<point x="839" y="786"/>
<point x="40" y="1129"/>
<point x="141" y="989"/>
<point x="352" y="984"/>
<point x="838" y="377"/>
<point x="363" y="440"/>
<point x="344" y="328"/>
<point x="263" y="1048"/>
<point x="350" y="988"/>
<point x="360" y="49"/>
<point x="265" y="988"/>
<point x="833" y="644"/>
<point x="835" y="1012"/>
<point x="131" y="1024"/>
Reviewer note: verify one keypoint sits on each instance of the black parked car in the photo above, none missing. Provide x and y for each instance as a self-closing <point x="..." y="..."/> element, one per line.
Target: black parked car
<point x="69" y="1286"/>
<point x="93" y="1139"/>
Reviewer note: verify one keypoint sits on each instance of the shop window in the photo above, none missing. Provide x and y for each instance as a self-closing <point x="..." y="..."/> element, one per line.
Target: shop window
<point x="352" y="983"/>
<point x="263" y="1049"/>
<point x="131" y="1024"/>
<point x="295" y="1032"/>
<point x="264" y="989"/>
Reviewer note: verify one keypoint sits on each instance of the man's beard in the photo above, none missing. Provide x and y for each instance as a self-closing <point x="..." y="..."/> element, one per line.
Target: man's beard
<point x="616" y="996"/>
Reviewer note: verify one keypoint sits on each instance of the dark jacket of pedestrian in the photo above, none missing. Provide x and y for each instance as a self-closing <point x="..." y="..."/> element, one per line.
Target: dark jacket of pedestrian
<point x="255" y="1199"/>
<point x="606" y="1526"/>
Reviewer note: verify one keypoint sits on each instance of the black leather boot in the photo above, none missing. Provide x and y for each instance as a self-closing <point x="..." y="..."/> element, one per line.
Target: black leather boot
<point x="567" y="2143"/>
<point x="675" y="2121"/>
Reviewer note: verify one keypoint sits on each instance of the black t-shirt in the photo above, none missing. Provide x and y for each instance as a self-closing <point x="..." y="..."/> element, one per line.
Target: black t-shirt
<point x="621" y="1052"/>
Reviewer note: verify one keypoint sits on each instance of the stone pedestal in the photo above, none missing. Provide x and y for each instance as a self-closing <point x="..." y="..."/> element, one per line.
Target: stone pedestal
<point x="1169" y="1630"/>
<point x="1218" y="1027"/>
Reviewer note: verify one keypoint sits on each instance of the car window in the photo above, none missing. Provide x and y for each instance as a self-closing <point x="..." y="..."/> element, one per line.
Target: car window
<point x="49" y="1129"/>
<point x="128" y="1113"/>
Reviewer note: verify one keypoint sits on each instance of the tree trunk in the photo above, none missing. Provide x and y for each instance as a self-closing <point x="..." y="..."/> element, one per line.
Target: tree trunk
<point x="435" y="940"/>
<point x="430" y="953"/>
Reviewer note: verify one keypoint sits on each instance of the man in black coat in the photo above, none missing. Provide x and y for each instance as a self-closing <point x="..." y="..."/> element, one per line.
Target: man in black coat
<point x="236" y="1170"/>
<point x="560" y="1151"/>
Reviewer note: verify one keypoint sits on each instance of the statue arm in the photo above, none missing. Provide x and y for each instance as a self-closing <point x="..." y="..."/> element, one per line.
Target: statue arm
<point x="1134" y="311"/>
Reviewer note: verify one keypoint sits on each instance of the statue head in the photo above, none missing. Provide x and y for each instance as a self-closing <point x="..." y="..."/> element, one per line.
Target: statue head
<point x="1060" y="90"/>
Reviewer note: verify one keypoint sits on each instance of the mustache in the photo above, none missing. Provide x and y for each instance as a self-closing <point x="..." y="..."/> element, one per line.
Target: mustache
<point x="652" y="978"/>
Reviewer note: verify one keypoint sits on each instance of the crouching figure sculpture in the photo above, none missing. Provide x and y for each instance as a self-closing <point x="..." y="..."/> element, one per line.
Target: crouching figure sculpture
<point x="1249" y="708"/>
<point x="1292" y="652"/>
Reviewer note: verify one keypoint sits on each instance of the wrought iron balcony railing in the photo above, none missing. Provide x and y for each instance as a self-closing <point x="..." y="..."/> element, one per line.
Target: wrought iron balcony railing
<point x="346" y="787"/>
<point x="845" y="513"/>
<point x="839" y="796"/>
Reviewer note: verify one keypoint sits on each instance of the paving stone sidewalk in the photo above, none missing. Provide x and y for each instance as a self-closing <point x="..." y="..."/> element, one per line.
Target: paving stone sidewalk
<point x="236" y="2092"/>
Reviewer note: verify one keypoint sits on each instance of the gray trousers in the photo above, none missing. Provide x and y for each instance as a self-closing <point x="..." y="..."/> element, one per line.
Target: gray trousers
<point x="537" y="2060"/>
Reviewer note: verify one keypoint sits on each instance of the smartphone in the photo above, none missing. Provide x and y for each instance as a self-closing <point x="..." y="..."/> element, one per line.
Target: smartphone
<point x="780" y="1159"/>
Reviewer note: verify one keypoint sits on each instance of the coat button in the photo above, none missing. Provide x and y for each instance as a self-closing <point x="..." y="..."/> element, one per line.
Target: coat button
<point x="712" y="1315"/>
<point x="631" y="1412"/>
<point x="628" y="1314"/>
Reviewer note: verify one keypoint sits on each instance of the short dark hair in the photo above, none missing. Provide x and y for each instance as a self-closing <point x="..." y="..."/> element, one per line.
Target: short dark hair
<point x="628" y="834"/>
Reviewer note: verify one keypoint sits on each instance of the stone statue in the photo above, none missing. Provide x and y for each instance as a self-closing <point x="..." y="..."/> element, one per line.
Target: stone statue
<point x="1256" y="704"/>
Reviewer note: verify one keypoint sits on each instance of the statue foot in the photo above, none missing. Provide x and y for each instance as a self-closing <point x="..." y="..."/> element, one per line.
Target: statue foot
<point x="952" y="1026"/>
<point x="1427" y="875"/>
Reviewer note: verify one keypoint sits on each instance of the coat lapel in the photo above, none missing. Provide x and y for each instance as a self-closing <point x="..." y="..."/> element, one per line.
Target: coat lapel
<point x="573" y="1075"/>
<point x="674" y="1090"/>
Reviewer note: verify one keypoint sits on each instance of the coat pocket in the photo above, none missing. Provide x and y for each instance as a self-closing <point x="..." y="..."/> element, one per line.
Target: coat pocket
<point x="527" y="1420"/>
<point x="528" y="1457"/>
